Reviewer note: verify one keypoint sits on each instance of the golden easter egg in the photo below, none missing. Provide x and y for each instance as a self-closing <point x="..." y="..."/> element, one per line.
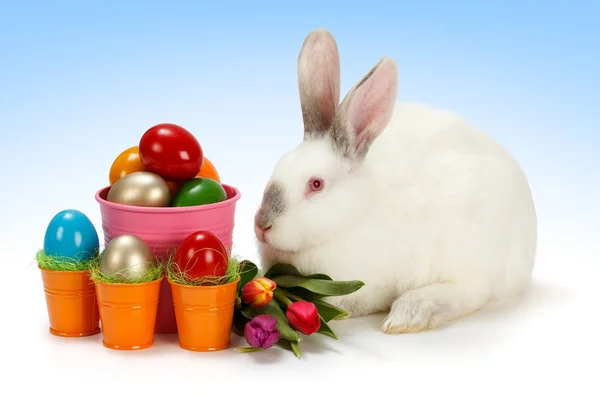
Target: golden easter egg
<point x="141" y="188"/>
<point x="127" y="257"/>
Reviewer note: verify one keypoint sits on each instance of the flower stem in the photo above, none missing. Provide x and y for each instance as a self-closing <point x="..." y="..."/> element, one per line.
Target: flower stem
<point x="292" y="296"/>
<point x="281" y="296"/>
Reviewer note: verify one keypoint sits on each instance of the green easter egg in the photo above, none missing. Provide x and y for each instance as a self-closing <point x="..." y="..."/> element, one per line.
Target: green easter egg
<point x="199" y="191"/>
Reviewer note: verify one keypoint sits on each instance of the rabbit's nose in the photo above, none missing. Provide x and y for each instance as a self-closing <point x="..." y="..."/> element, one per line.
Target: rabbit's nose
<point x="260" y="231"/>
<point x="261" y="221"/>
<point x="260" y="234"/>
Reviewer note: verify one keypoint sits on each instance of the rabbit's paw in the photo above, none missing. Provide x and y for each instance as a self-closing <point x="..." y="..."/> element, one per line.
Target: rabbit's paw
<point x="431" y="306"/>
<point x="408" y="316"/>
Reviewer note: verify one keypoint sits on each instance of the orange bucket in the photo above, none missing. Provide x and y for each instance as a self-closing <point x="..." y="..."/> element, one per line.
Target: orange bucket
<point x="128" y="313"/>
<point x="204" y="315"/>
<point x="71" y="303"/>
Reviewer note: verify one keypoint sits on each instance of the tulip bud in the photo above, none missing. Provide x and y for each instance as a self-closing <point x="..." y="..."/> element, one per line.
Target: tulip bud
<point x="261" y="331"/>
<point x="304" y="317"/>
<point x="258" y="292"/>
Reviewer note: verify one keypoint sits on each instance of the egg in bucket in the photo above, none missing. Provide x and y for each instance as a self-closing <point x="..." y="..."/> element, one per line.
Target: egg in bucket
<point x="70" y="251"/>
<point x="195" y="201"/>
<point x="127" y="280"/>
<point x="204" y="282"/>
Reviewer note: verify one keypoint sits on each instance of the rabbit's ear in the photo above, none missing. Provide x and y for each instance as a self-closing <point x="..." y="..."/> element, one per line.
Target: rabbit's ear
<point x="366" y="110"/>
<point x="318" y="82"/>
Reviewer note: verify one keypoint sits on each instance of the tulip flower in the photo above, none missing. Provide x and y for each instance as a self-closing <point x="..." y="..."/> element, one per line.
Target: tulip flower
<point x="304" y="317"/>
<point x="261" y="331"/>
<point x="258" y="292"/>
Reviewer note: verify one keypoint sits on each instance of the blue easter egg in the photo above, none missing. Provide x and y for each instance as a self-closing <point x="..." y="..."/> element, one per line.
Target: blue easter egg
<point x="70" y="234"/>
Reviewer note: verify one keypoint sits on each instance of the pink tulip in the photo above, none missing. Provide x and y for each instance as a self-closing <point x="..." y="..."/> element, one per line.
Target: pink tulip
<point x="261" y="331"/>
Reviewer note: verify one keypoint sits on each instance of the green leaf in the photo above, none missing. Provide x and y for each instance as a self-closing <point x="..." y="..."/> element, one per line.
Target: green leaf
<point x="248" y="349"/>
<point x="326" y="330"/>
<point x="247" y="311"/>
<point x="296" y="349"/>
<point x="292" y="346"/>
<point x="304" y="293"/>
<point x="285" y="344"/>
<point x="281" y="269"/>
<point x="317" y="286"/>
<point x="328" y="311"/>
<point x="319" y="276"/>
<point x="285" y="330"/>
<point x="248" y="271"/>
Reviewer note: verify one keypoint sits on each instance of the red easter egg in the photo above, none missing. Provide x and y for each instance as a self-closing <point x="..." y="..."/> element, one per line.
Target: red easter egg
<point x="202" y="254"/>
<point x="171" y="151"/>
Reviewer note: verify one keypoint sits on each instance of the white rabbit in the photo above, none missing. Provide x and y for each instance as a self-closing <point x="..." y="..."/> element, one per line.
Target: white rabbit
<point x="434" y="216"/>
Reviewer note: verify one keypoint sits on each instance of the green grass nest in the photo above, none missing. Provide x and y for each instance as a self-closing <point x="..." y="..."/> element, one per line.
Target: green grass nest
<point x="155" y="272"/>
<point x="177" y="276"/>
<point x="58" y="263"/>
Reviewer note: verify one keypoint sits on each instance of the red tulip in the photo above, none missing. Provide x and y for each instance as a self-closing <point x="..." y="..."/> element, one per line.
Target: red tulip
<point x="303" y="316"/>
<point x="258" y="292"/>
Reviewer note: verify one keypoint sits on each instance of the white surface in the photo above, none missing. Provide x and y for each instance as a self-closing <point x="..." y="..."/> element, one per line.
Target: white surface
<point x="528" y="355"/>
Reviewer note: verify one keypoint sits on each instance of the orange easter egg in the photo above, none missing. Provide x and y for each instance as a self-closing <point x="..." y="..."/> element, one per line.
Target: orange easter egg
<point x="208" y="170"/>
<point x="127" y="161"/>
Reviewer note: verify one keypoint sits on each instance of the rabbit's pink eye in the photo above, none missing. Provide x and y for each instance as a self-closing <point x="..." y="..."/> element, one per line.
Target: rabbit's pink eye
<point x="315" y="184"/>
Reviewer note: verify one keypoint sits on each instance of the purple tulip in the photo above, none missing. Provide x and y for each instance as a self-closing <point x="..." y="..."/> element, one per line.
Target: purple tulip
<point x="261" y="331"/>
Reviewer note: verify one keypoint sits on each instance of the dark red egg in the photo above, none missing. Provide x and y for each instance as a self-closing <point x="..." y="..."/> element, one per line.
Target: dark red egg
<point x="171" y="151"/>
<point x="202" y="254"/>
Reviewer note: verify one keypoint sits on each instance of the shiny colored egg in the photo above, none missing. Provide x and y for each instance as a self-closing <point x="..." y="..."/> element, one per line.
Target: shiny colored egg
<point x="127" y="162"/>
<point x="128" y="257"/>
<point x="208" y="170"/>
<point x="202" y="254"/>
<point x="71" y="235"/>
<point x="199" y="191"/>
<point x="141" y="188"/>
<point x="171" y="151"/>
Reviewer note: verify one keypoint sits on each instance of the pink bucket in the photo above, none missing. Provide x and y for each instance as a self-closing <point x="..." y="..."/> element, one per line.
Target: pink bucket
<point x="163" y="229"/>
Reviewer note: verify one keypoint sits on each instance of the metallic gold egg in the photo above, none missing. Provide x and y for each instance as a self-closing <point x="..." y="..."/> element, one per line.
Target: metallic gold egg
<point x="127" y="256"/>
<point x="141" y="188"/>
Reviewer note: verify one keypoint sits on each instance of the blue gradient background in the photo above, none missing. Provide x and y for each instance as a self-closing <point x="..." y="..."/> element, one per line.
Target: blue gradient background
<point x="80" y="82"/>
